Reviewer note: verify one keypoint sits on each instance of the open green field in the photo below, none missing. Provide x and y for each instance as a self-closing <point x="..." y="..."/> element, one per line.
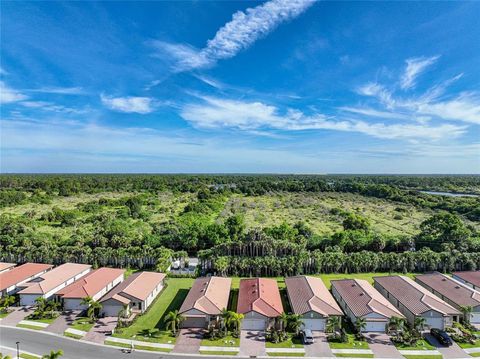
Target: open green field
<point x="170" y="299"/>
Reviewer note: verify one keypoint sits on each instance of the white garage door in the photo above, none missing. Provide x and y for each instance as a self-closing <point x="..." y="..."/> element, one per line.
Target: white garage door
<point x="434" y="322"/>
<point x="314" y="324"/>
<point x="111" y="310"/>
<point x="375" y="327"/>
<point x="253" y="324"/>
<point x="28" y="299"/>
<point x="475" y="318"/>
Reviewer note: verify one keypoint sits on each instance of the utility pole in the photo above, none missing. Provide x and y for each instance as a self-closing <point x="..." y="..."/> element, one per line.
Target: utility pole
<point x="18" y="350"/>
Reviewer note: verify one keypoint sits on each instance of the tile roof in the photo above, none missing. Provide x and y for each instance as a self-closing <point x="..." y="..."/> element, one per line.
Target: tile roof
<point x="139" y="285"/>
<point x="54" y="278"/>
<point x="413" y="296"/>
<point x="21" y="273"/>
<point x="308" y="294"/>
<point x="5" y="266"/>
<point x="362" y="299"/>
<point x="455" y="291"/>
<point x="260" y="295"/>
<point x="208" y="295"/>
<point x="91" y="283"/>
<point x="472" y="277"/>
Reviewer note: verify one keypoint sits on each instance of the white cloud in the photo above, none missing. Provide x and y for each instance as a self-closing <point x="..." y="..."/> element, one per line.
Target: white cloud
<point x="129" y="104"/>
<point x="9" y="95"/>
<point x="216" y="113"/>
<point x="60" y="90"/>
<point x="415" y="66"/>
<point x="374" y="113"/>
<point x="465" y="107"/>
<point x="48" y="106"/>
<point x="241" y="32"/>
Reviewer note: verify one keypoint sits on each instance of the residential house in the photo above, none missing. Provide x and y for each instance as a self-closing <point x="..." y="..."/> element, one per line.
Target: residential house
<point x="470" y="278"/>
<point x="11" y="281"/>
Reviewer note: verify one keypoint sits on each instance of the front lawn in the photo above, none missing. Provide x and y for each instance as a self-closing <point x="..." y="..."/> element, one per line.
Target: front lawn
<point x="169" y="299"/>
<point x="42" y="320"/>
<point x="71" y="335"/>
<point x="3" y="314"/>
<point x="140" y="347"/>
<point x="468" y="345"/>
<point x="352" y="343"/>
<point x="228" y="341"/>
<point x="218" y="353"/>
<point x="422" y="344"/>
<point x="26" y="326"/>
<point x="82" y="324"/>
<point x="289" y="343"/>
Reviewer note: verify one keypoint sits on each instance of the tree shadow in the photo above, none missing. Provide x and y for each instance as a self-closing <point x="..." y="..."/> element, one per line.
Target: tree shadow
<point x="175" y="304"/>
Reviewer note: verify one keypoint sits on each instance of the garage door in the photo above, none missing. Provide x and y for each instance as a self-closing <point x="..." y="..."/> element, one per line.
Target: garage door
<point x="434" y="322"/>
<point x="475" y="318"/>
<point x="314" y="324"/>
<point x="194" y="322"/>
<point x="253" y="324"/>
<point x="375" y="327"/>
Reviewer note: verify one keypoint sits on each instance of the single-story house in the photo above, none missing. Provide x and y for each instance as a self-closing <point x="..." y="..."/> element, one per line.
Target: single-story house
<point x="414" y="301"/>
<point x="470" y="278"/>
<point x="94" y="284"/>
<point x="260" y="303"/>
<point x="11" y="281"/>
<point x="205" y="301"/>
<point x="6" y="266"/>
<point x="359" y="299"/>
<point x="310" y="298"/>
<point x="135" y="293"/>
<point x="453" y="292"/>
<point x="49" y="283"/>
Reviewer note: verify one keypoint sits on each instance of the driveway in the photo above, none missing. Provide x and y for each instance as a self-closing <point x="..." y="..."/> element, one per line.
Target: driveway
<point x="16" y="316"/>
<point x="252" y="343"/>
<point x="320" y="348"/>
<point x="453" y="351"/>
<point x="188" y="341"/>
<point x="62" y="322"/>
<point x="101" y="329"/>
<point x="382" y="346"/>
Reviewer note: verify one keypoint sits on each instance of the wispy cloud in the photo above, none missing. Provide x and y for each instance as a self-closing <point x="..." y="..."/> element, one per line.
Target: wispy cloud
<point x="60" y="90"/>
<point x="9" y="95"/>
<point x="415" y="66"/>
<point x="241" y="32"/>
<point x="130" y="104"/>
<point x="49" y="106"/>
<point x="215" y="113"/>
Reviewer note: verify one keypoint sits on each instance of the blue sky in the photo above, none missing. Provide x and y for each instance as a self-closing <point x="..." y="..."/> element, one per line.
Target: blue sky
<point x="278" y="86"/>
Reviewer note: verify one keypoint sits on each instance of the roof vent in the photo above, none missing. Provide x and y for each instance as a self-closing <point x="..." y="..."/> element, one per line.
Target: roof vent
<point x="362" y="294"/>
<point x="457" y="287"/>
<point x="354" y="284"/>
<point x="444" y="279"/>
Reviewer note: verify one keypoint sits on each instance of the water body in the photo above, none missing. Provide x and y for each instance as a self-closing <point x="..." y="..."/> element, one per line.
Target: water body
<point x="450" y="194"/>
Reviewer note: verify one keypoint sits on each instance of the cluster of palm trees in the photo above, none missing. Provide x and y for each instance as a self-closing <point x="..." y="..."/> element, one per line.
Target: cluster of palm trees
<point x="93" y="309"/>
<point x="403" y="334"/>
<point x="45" y="309"/>
<point x="6" y="302"/>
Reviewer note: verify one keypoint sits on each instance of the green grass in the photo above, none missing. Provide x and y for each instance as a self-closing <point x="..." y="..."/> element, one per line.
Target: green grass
<point x="468" y="345"/>
<point x="423" y="357"/>
<point x="3" y="314"/>
<point x="475" y="354"/>
<point x="218" y="353"/>
<point x="29" y="327"/>
<point x="71" y="335"/>
<point x="139" y="347"/>
<point x="42" y="320"/>
<point x="289" y="343"/>
<point x="82" y="324"/>
<point x="286" y="354"/>
<point x="170" y="299"/>
<point x="28" y="356"/>
<point x="422" y="344"/>
<point x="343" y="355"/>
<point x="351" y="344"/>
<point x="223" y="342"/>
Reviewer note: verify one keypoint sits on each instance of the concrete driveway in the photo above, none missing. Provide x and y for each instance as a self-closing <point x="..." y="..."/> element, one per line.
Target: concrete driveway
<point x="16" y="316"/>
<point x="101" y="329"/>
<point x="252" y="343"/>
<point x="382" y="346"/>
<point x="62" y="322"/>
<point x="320" y="348"/>
<point x="188" y="340"/>
<point x="453" y="351"/>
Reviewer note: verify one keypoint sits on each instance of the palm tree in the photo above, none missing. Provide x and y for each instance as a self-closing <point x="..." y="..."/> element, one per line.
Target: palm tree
<point x="360" y="324"/>
<point x="7" y="302"/>
<point x="53" y="354"/>
<point x="467" y="313"/>
<point x="173" y="320"/>
<point x="396" y="323"/>
<point x="295" y="322"/>
<point x="93" y="307"/>
<point x="123" y="313"/>
<point x="419" y="323"/>
<point x="235" y="319"/>
<point x="333" y="323"/>
<point x="283" y="320"/>
<point x="224" y="315"/>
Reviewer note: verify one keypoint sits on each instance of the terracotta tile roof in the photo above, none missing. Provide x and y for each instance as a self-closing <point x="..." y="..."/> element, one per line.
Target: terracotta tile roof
<point x="472" y="277"/>
<point x="21" y="273"/>
<point x="413" y="296"/>
<point x="455" y="291"/>
<point x="54" y="278"/>
<point x="260" y="295"/>
<point x="5" y="266"/>
<point x="139" y="285"/>
<point x="308" y="294"/>
<point x="362" y="299"/>
<point x="208" y="295"/>
<point x="91" y="284"/>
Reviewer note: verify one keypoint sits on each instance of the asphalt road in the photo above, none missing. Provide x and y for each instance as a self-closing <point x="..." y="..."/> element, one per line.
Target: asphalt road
<point x="41" y="343"/>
